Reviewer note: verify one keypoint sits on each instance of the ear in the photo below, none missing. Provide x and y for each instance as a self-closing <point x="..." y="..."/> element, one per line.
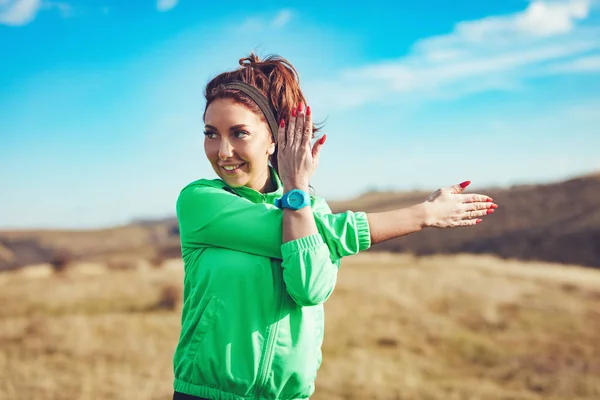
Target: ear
<point x="271" y="148"/>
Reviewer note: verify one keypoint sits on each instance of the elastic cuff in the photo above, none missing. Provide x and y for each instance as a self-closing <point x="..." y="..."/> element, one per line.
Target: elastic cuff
<point x="301" y="244"/>
<point x="364" y="232"/>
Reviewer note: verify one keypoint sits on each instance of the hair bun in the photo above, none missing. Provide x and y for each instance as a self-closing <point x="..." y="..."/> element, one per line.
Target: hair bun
<point x="250" y="61"/>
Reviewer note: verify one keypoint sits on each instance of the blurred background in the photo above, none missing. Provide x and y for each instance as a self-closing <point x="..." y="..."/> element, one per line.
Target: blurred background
<point x="101" y="126"/>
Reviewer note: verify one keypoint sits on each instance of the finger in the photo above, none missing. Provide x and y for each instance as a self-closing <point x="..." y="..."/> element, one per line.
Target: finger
<point x="316" y="151"/>
<point x="468" y="222"/>
<point x="291" y="129"/>
<point x="300" y="123"/>
<point x="478" y="213"/>
<point x="474" y="198"/>
<point x="281" y="135"/>
<point x="308" y="131"/>
<point x="479" y="206"/>
<point x="458" y="188"/>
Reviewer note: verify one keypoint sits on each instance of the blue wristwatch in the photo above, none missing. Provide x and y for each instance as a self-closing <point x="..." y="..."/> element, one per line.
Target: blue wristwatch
<point x="294" y="199"/>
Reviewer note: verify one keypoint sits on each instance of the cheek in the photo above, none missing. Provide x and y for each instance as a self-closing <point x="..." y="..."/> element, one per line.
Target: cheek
<point x="258" y="152"/>
<point x="246" y="151"/>
<point x="211" y="149"/>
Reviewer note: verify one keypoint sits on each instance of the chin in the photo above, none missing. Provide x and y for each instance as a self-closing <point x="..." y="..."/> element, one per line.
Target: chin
<point x="234" y="181"/>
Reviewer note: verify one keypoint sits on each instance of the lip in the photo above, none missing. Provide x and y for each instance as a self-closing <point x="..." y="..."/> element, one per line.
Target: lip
<point x="222" y="166"/>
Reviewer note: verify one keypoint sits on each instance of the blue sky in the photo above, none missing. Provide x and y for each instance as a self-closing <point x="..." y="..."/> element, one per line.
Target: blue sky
<point x="101" y="102"/>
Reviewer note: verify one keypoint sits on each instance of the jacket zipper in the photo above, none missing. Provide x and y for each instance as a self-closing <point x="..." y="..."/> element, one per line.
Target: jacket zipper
<point x="268" y="355"/>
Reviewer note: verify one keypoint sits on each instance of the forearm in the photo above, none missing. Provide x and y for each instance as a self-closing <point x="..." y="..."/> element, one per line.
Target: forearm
<point x="308" y="271"/>
<point x="298" y="223"/>
<point x="393" y="224"/>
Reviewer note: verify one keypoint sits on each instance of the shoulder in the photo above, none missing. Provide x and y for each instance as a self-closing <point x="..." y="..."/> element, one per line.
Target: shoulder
<point x="200" y="190"/>
<point x="202" y="186"/>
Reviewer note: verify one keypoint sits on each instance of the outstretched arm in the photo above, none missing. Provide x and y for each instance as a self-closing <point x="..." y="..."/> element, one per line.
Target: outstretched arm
<point x="444" y="208"/>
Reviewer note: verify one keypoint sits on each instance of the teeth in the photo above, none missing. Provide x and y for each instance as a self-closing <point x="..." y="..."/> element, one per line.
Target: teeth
<point x="231" y="167"/>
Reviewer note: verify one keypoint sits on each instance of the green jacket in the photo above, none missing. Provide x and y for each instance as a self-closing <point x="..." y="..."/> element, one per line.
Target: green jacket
<point x="252" y="318"/>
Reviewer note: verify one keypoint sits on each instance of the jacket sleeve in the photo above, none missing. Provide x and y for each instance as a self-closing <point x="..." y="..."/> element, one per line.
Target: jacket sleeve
<point x="310" y="264"/>
<point x="210" y="216"/>
<point x="345" y="234"/>
<point x="309" y="272"/>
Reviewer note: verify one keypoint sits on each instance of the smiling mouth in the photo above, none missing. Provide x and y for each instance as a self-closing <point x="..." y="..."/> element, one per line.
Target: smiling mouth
<point x="232" y="168"/>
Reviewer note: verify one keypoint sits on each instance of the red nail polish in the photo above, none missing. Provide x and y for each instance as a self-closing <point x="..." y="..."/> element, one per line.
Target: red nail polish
<point x="465" y="184"/>
<point x="300" y="107"/>
<point x="490" y="210"/>
<point x="494" y="205"/>
<point x="478" y="221"/>
<point x="308" y="110"/>
<point x="489" y="200"/>
<point x="322" y="140"/>
<point x="294" y="113"/>
<point x="282" y="123"/>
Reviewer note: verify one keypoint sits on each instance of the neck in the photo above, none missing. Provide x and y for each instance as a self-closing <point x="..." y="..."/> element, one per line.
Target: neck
<point x="264" y="183"/>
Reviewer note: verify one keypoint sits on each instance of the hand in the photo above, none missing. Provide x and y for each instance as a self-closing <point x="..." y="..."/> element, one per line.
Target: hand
<point x="448" y="207"/>
<point x="296" y="160"/>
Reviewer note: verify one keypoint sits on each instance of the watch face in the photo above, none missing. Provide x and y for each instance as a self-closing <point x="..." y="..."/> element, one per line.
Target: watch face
<point x="296" y="199"/>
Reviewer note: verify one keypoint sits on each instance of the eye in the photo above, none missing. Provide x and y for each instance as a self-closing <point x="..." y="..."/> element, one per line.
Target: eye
<point x="210" y="135"/>
<point x="241" y="134"/>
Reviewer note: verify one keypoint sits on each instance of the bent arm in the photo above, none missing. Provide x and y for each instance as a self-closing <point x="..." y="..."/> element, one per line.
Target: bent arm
<point x="308" y="271"/>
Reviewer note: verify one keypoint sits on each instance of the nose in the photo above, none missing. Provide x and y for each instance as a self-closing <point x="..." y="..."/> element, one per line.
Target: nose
<point x="225" y="149"/>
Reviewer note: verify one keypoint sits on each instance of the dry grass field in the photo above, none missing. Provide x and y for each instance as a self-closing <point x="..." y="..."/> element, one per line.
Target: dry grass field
<point x="398" y="327"/>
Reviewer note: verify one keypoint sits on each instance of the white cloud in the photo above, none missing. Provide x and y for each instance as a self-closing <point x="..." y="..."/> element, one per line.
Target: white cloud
<point x="256" y="23"/>
<point x="252" y="24"/>
<point x="282" y="18"/>
<point x="496" y="52"/>
<point x="541" y="18"/>
<point x="18" y="12"/>
<point x="22" y="12"/>
<point x="64" y="9"/>
<point x="166" y="5"/>
<point x="582" y="64"/>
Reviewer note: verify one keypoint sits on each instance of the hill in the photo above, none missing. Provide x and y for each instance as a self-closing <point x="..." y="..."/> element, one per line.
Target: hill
<point x="557" y="222"/>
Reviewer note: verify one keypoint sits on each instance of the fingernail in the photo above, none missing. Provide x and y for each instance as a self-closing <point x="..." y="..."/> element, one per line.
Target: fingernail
<point x="322" y="140"/>
<point x="282" y="123"/>
<point x="294" y="113"/>
<point x="300" y="107"/>
<point x="308" y="110"/>
<point x="490" y="210"/>
<point x="494" y="205"/>
<point x="489" y="200"/>
<point x="478" y="221"/>
<point x="465" y="184"/>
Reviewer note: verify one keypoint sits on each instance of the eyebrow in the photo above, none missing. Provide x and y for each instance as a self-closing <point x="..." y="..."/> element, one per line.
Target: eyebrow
<point x="233" y="128"/>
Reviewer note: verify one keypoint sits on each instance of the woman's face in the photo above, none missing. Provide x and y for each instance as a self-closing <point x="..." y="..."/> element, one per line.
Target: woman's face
<point x="238" y="144"/>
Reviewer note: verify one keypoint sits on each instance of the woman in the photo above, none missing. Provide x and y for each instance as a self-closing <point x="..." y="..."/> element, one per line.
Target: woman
<point x="261" y="254"/>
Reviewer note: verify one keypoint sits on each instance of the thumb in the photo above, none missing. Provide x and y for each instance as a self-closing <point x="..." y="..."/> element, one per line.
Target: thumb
<point x="317" y="147"/>
<point x="459" y="187"/>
